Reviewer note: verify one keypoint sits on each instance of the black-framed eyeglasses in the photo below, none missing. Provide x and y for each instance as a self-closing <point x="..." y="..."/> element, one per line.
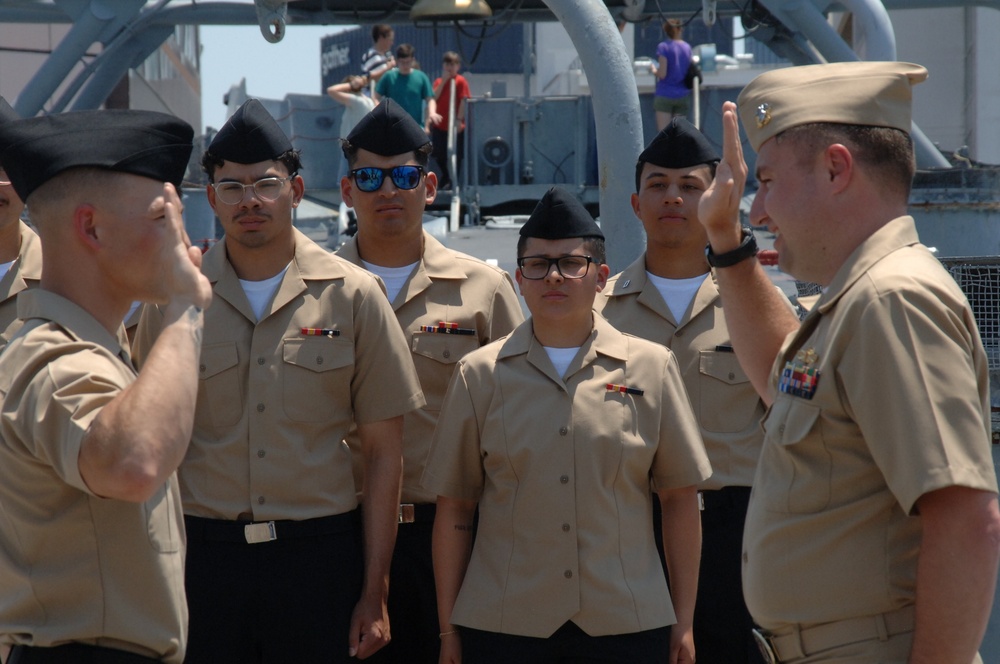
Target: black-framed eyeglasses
<point x="570" y="266"/>
<point x="266" y="189"/>
<point x="370" y="178"/>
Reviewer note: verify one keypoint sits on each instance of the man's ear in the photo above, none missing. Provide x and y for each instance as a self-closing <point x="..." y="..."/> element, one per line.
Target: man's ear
<point x="839" y="164"/>
<point x="85" y="225"/>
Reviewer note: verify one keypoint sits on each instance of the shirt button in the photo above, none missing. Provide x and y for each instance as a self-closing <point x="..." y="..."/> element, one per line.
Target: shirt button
<point x="260" y="408"/>
<point x="781" y="428"/>
<point x="260" y="500"/>
<point x="568" y="574"/>
<point x="319" y="360"/>
<point x="447" y="353"/>
<point x="731" y="375"/>
<point x="565" y="527"/>
<point x="260" y="454"/>
<point x="261" y="360"/>
<point x="564" y="479"/>
<point x="563" y="431"/>
<point x="201" y="368"/>
<point x="679" y="333"/>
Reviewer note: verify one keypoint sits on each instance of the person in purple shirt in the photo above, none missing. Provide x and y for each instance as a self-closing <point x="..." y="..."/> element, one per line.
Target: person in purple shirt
<point x="673" y="56"/>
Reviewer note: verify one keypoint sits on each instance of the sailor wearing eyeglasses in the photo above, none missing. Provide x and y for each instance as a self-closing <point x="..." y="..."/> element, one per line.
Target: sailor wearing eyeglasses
<point x="299" y="347"/>
<point x="447" y="304"/>
<point x="20" y="250"/>
<point x="558" y="433"/>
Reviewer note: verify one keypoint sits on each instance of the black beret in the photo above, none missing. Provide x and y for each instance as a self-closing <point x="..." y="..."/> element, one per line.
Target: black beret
<point x="250" y="136"/>
<point x="388" y="130"/>
<point x="147" y="143"/>
<point x="679" y="145"/>
<point x="560" y="215"/>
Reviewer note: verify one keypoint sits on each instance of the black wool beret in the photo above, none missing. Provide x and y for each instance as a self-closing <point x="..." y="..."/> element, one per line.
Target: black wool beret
<point x="147" y="143"/>
<point x="560" y="215"/>
<point x="250" y="135"/>
<point x="388" y="130"/>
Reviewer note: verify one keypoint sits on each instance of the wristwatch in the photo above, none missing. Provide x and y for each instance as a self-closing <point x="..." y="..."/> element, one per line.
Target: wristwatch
<point x="747" y="249"/>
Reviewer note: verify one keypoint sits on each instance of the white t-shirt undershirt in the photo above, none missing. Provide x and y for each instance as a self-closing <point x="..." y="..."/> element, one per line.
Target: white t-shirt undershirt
<point x="392" y="277"/>
<point x="561" y="357"/>
<point x="260" y="293"/>
<point x="677" y="293"/>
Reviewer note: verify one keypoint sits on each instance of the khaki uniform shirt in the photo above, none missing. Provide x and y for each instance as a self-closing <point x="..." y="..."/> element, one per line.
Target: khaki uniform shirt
<point x="74" y="566"/>
<point x="562" y="470"/>
<point x="446" y="286"/>
<point x="274" y="405"/>
<point x="901" y="408"/>
<point x="728" y="408"/>
<point x="24" y="273"/>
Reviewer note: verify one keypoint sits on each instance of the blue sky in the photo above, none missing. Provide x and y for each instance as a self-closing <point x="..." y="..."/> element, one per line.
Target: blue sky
<point x="230" y="53"/>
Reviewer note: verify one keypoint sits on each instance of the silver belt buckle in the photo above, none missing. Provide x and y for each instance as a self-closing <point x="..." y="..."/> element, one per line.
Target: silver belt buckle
<point x="406" y="511"/>
<point x="255" y="533"/>
<point x="764" y="645"/>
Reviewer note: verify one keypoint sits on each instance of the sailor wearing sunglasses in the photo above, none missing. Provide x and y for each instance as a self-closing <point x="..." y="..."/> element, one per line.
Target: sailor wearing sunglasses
<point x="447" y="304"/>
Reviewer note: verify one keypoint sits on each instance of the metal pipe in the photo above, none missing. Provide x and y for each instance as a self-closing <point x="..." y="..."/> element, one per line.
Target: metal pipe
<point x="85" y="31"/>
<point x="619" y="123"/>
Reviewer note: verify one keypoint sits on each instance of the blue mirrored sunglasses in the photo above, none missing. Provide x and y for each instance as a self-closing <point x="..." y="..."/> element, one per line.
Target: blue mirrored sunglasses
<point x="371" y="178"/>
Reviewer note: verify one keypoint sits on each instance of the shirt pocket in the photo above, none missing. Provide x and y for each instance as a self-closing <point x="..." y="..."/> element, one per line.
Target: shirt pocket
<point x="797" y="467"/>
<point x="316" y="378"/>
<point x="727" y="401"/>
<point x="434" y="356"/>
<point x="220" y="398"/>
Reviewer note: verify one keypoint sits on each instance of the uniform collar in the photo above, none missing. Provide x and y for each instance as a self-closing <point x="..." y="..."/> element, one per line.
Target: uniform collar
<point x="603" y="340"/>
<point x="310" y="262"/>
<point x="437" y="262"/>
<point x="634" y="280"/>
<point x="899" y="233"/>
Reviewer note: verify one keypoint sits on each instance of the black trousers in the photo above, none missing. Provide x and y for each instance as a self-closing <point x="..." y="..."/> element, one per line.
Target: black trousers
<point x="722" y="624"/>
<point x="569" y="645"/>
<point x="287" y="600"/>
<point x="413" y="619"/>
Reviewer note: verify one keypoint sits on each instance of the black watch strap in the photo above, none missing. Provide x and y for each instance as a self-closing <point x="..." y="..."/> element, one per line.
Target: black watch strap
<point x="747" y="249"/>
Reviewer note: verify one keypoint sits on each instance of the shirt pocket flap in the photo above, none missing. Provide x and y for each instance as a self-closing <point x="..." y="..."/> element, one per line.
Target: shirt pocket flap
<point x="318" y="355"/>
<point x="722" y="366"/>
<point x="217" y="358"/>
<point x="443" y="348"/>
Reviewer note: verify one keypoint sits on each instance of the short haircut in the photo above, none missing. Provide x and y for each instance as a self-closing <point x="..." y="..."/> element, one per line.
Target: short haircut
<point x="292" y="160"/>
<point x="594" y="246"/>
<point x="452" y="58"/>
<point x="98" y="183"/>
<point x="885" y="153"/>
<point x="405" y="51"/>
<point x="421" y="155"/>
<point x="380" y="30"/>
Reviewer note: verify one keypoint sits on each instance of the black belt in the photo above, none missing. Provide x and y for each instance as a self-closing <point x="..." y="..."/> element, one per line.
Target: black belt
<point x="74" y="653"/>
<point x="417" y="512"/>
<point x="254" y="532"/>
